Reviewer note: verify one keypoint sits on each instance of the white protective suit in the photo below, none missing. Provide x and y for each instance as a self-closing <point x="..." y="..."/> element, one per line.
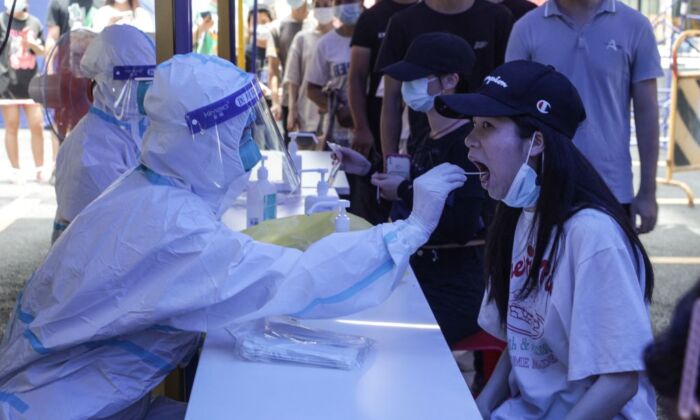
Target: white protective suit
<point x="122" y="298"/>
<point x="106" y="143"/>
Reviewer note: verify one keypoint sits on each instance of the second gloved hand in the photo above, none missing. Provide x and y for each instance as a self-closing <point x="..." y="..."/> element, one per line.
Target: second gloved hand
<point x="430" y="191"/>
<point x="351" y="161"/>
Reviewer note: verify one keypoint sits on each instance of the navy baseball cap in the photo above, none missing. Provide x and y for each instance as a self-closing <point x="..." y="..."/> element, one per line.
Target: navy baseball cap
<point x="521" y="88"/>
<point x="433" y="53"/>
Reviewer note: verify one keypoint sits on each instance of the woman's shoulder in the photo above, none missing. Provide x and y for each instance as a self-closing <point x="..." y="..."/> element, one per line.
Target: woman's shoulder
<point x="595" y="229"/>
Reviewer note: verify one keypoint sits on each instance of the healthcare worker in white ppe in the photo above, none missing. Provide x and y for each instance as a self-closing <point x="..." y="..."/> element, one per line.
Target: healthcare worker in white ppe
<point x="106" y="142"/>
<point x="125" y="293"/>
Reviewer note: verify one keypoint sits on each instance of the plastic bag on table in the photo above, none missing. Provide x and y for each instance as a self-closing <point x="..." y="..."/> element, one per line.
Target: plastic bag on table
<point x="288" y="342"/>
<point x="301" y="231"/>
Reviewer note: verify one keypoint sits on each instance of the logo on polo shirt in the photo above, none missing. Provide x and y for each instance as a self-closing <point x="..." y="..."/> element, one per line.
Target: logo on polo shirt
<point x="543" y="106"/>
<point x="612" y="45"/>
<point x="497" y="80"/>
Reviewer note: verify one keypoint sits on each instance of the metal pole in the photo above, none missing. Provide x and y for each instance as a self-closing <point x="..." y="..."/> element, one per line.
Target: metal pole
<point x="182" y="26"/>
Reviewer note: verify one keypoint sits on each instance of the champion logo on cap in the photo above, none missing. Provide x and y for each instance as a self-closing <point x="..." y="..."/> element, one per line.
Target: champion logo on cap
<point x="497" y="80"/>
<point x="543" y="106"/>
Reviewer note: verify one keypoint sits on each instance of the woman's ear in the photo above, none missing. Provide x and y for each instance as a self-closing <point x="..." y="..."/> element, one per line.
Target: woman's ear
<point x="538" y="144"/>
<point x="449" y="82"/>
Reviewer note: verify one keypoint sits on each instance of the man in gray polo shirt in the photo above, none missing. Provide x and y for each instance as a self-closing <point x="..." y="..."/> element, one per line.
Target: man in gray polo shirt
<point x="609" y="52"/>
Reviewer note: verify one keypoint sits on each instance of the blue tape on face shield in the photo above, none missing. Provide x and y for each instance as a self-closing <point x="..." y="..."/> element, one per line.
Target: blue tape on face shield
<point x="141" y="89"/>
<point x="224" y="109"/>
<point x="249" y="150"/>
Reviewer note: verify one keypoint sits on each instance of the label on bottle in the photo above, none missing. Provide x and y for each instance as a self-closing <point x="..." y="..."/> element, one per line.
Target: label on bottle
<point x="270" y="207"/>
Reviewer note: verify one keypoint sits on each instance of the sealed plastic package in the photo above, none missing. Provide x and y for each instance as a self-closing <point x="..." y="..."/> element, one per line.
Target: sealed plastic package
<point x="283" y="340"/>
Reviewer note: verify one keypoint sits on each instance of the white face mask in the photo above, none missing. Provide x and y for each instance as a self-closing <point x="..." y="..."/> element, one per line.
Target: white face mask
<point x="348" y="14"/>
<point x="263" y="32"/>
<point x="324" y="15"/>
<point x="415" y="94"/>
<point x="524" y="191"/>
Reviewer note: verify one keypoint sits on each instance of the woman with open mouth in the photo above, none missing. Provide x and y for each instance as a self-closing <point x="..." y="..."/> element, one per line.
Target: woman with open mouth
<point x="568" y="280"/>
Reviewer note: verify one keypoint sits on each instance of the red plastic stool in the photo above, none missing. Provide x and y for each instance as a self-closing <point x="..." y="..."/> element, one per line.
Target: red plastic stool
<point x="490" y="346"/>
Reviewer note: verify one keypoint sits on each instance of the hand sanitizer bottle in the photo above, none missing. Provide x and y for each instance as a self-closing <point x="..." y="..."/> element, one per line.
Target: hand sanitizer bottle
<point x="342" y="221"/>
<point x="261" y="203"/>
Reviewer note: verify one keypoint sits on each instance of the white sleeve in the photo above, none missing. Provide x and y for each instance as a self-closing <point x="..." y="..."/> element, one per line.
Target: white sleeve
<point x="211" y="277"/>
<point x="339" y="275"/>
<point x="610" y="324"/>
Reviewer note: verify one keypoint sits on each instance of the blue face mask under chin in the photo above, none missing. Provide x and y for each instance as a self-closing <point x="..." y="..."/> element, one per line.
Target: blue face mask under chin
<point x="524" y="191"/>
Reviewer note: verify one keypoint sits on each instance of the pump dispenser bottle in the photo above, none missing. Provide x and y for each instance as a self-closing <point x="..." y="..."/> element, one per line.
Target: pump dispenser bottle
<point x="261" y="202"/>
<point x="321" y="197"/>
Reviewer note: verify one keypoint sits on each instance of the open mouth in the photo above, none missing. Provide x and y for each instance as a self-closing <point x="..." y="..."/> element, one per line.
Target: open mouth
<point x="484" y="173"/>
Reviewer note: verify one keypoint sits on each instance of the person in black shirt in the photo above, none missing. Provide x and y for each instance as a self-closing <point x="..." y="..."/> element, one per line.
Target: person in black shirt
<point x="449" y="267"/>
<point x="365" y="97"/>
<point x="484" y="25"/>
<point x="365" y="92"/>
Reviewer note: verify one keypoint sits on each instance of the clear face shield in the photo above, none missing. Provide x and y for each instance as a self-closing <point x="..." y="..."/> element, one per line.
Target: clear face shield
<point x="129" y="87"/>
<point x="242" y="130"/>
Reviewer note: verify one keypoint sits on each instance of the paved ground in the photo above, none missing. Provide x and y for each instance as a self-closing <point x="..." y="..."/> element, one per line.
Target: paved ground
<point x="26" y="214"/>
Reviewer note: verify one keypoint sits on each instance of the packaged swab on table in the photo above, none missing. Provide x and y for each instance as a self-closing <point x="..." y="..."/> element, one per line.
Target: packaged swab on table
<point x="284" y="341"/>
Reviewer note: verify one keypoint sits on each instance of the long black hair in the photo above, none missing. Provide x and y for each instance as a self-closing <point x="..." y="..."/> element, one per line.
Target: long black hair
<point x="568" y="184"/>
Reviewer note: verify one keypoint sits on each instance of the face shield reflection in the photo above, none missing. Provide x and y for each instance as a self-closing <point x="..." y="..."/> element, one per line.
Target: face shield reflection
<point x="243" y="130"/>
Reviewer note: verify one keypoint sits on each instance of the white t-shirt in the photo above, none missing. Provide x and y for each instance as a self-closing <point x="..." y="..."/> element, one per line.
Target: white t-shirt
<point x="329" y="68"/>
<point x="139" y="18"/>
<point x="587" y="318"/>
<point x="299" y="58"/>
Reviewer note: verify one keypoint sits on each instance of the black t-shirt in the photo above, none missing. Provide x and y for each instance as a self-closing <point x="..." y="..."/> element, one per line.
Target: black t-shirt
<point x="461" y="219"/>
<point x="19" y="64"/>
<point x="518" y="8"/>
<point x="67" y="14"/>
<point x="369" y="33"/>
<point x="485" y="26"/>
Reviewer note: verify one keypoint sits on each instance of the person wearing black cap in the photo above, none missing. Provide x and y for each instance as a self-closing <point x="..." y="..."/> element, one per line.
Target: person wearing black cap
<point x="484" y="25"/>
<point x="449" y="267"/>
<point x="568" y="279"/>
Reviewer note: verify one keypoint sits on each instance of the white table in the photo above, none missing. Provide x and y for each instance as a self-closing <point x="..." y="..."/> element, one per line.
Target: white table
<point x="309" y="160"/>
<point x="410" y="374"/>
<point x="289" y="204"/>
